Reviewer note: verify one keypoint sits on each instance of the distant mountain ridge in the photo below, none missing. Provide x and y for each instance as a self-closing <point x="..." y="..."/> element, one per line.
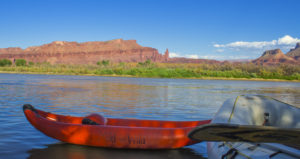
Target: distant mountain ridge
<point x="119" y="50"/>
<point x="276" y="56"/>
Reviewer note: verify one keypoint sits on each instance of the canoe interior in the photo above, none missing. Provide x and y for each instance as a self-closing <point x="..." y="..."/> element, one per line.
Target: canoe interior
<point x="124" y="122"/>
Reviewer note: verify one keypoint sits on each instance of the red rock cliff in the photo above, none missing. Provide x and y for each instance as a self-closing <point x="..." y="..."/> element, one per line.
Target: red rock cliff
<point x="86" y="53"/>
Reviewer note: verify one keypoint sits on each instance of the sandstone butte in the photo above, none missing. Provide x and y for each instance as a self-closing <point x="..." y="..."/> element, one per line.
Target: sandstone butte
<point x="276" y="56"/>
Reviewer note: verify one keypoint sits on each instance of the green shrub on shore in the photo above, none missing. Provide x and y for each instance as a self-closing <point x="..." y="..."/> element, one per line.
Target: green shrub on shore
<point x="5" y="62"/>
<point x="103" y="62"/>
<point x="20" y="62"/>
<point x="164" y="70"/>
<point x="30" y="63"/>
<point x="147" y="63"/>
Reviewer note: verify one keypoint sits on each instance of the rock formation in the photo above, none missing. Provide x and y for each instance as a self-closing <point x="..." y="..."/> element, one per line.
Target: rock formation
<point x="295" y="53"/>
<point x="62" y="52"/>
<point x="166" y="56"/>
<point x="273" y="57"/>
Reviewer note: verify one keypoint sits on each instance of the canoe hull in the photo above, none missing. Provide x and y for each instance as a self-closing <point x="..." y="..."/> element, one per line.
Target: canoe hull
<point x="130" y="133"/>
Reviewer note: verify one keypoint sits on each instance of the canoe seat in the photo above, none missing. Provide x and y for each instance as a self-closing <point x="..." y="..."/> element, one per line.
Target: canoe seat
<point x="94" y="119"/>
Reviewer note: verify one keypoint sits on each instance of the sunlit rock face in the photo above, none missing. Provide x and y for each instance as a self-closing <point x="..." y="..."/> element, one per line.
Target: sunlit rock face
<point x="63" y="52"/>
<point x="273" y="57"/>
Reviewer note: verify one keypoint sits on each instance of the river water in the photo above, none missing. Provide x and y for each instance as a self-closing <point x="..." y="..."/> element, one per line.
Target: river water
<point x="116" y="97"/>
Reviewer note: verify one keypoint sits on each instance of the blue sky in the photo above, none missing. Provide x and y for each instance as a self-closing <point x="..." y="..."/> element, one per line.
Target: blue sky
<point x="213" y="29"/>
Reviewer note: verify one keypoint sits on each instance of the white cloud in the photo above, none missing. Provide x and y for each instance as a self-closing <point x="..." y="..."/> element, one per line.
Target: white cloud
<point x="223" y="57"/>
<point x="193" y="56"/>
<point x="173" y="54"/>
<point x="210" y="57"/>
<point x="255" y="44"/>
<point x="218" y="45"/>
<point x="288" y="40"/>
<point x="283" y="42"/>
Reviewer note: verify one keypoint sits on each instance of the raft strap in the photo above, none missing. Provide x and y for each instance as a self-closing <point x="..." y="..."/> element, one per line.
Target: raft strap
<point x="230" y="154"/>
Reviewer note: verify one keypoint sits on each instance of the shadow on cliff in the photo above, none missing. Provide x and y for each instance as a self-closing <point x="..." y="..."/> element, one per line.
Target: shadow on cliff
<point x="70" y="151"/>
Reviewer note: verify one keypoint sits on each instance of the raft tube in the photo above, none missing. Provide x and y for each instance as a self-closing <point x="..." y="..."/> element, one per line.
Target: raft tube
<point x="95" y="130"/>
<point x="256" y="110"/>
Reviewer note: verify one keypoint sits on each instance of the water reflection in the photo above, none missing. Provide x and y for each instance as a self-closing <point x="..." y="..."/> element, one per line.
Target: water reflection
<point x="69" y="151"/>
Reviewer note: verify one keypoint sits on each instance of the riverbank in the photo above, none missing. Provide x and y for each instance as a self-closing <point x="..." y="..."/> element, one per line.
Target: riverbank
<point x="200" y="78"/>
<point x="187" y="71"/>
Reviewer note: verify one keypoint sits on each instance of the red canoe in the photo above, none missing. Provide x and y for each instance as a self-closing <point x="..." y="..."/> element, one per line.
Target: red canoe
<point x="94" y="130"/>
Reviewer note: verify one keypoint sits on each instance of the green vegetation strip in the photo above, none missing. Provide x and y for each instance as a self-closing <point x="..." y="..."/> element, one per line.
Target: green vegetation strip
<point x="160" y="70"/>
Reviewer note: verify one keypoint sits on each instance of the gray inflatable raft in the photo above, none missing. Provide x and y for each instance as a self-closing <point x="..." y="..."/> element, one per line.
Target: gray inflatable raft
<point x="261" y="112"/>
